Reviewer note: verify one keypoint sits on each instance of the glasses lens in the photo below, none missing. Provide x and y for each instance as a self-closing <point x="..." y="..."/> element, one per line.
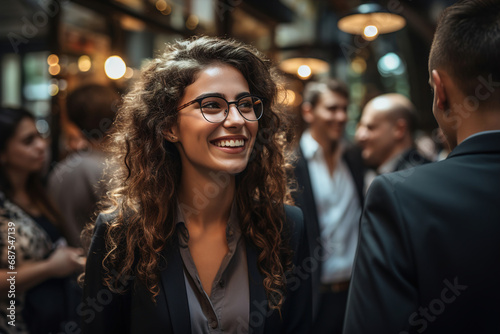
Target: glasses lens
<point x="251" y="108"/>
<point x="214" y="109"/>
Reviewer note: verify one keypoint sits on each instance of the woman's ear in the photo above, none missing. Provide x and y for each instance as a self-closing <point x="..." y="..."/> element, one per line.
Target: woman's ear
<point x="171" y="134"/>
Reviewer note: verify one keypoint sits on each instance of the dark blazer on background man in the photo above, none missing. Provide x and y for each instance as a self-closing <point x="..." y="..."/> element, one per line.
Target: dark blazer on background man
<point x="428" y="259"/>
<point x="134" y="311"/>
<point x="410" y="158"/>
<point x="304" y="199"/>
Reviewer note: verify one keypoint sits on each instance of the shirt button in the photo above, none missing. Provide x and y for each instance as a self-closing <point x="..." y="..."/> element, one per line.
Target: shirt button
<point x="213" y="324"/>
<point x="222" y="284"/>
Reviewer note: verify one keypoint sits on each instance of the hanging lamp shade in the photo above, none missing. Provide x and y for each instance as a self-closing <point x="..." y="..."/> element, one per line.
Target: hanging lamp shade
<point x="304" y="67"/>
<point x="370" y="20"/>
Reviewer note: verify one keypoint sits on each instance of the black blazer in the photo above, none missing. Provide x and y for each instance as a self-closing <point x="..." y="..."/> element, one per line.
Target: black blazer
<point x="428" y="259"/>
<point x="410" y="158"/>
<point x="304" y="199"/>
<point x="134" y="312"/>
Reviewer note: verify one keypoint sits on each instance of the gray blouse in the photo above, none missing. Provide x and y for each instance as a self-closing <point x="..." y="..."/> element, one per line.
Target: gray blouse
<point x="228" y="307"/>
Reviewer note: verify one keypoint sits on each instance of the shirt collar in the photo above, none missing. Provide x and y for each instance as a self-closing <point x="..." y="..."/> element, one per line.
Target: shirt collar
<point x="390" y="165"/>
<point x="481" y="133"/>
<point x="309" y="145"/>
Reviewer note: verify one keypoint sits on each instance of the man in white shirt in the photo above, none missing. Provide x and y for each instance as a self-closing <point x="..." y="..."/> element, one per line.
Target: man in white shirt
<point x="330" y="182"/>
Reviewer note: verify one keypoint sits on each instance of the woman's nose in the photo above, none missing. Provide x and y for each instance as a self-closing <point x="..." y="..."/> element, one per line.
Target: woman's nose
<point x="234" y="117"/>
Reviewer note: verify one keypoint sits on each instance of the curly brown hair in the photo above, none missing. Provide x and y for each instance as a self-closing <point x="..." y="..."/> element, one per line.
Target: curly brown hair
<point x="146" y="168"/>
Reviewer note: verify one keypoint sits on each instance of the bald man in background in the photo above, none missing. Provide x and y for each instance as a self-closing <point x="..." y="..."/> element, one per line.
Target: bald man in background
<point x="386" y="134"/>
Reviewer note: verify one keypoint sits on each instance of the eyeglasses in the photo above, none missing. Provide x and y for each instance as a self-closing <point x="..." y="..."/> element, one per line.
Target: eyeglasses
<point x="216" y="108"/>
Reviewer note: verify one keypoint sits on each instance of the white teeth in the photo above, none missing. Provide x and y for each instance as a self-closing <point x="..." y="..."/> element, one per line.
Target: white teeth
<point x="230" y="143"/>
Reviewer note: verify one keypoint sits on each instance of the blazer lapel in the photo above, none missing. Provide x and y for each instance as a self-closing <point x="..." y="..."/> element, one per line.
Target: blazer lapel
<point x="258" y="299"/>
<point x="305" y="197"/>
<point x="174" y="287"/>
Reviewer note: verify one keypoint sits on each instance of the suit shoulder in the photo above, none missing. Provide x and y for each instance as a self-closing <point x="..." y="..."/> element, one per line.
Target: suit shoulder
<point x="294" y="215"/>
<point x="417" y="175"/>
<point x="104" y="219"/>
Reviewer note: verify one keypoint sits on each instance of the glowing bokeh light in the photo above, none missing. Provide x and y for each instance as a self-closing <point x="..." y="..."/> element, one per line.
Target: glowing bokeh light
<point x="84" y="63"/>
<point x="304" y="71"/>
<point x="52" y="59"/>
<point x="370" y="32"/>
<point x="54" y="69"/>
<point x="192" y="22"/>
<point x="115" y="67"/>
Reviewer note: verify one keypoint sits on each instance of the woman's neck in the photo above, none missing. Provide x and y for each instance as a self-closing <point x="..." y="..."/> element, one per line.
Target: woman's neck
<point x="18" y="181"/>
<point x="20" y="195"/>
<point x="206" y="198"/>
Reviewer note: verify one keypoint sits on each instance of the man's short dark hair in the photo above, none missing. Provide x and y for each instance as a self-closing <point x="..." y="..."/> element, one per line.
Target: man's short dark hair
<point x="313" y="90"/>
<point x="467" y="44"/>
<point x="88" y="106"/>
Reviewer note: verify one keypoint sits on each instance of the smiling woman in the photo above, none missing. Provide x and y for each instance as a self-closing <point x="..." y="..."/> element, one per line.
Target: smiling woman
<point x="196" y="236"/>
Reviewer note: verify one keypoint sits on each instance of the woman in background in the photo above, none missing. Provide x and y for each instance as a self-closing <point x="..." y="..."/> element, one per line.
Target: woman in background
<point x="30" y="240"/>
<point x="196" y="236"/>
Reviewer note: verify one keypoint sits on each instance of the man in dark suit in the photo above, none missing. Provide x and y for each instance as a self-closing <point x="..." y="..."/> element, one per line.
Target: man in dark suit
<point x="386" y="133"/>
<point x="428" y="259"/>
<point x="330" y="183"/>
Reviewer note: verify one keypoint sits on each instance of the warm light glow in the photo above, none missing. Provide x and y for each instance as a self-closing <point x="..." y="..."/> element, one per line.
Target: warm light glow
<point x="52" y="59"/>
<point x="358" y="65"/>
<point x="129" y="73"/>
<point x="53" y="89"/>
<point x="192" y="22"/>
<point x="84" y="63"/>
<point x="316" y="66"/>
<point x="54" y="69"/>
<point x="167" y="10"/>
<point x="287" y="97"/>
<point x="304" y="71"/>
<point x="115" y="67"/>
<point x="370" y="32"/>
<point x="161" y="5"/>
<point x="371" y="14"/>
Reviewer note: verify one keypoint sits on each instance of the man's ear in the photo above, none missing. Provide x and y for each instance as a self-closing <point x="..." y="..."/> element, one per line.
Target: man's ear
<point x="171" y="134"/>
<point x="439" y="91"/>
<point x="400" y="128"/>
<point x="307" y="112"/>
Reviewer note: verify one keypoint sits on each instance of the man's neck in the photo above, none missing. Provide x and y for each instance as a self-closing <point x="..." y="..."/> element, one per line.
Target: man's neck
<point x="331" y="152"/>
<point x="479" y="121"/>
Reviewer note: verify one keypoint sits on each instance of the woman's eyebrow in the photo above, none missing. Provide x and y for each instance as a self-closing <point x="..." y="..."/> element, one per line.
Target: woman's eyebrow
<point x="240" y="95"/>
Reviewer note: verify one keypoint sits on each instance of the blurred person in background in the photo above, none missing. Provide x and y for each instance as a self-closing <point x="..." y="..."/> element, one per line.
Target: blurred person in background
<point x="329" y="175"/>
<point x="429" y="251"/>
<point x="45" y="297"/>
<point x="386" y="134"/>
<point x="74" y="182"/>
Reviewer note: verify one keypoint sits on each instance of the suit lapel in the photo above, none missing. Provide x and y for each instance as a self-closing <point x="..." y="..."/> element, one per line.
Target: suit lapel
<point x="174" y="288"/>
<point x="353" y="160"/>
<point x="305" y="196"/>
<point x="258" y="299"/>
